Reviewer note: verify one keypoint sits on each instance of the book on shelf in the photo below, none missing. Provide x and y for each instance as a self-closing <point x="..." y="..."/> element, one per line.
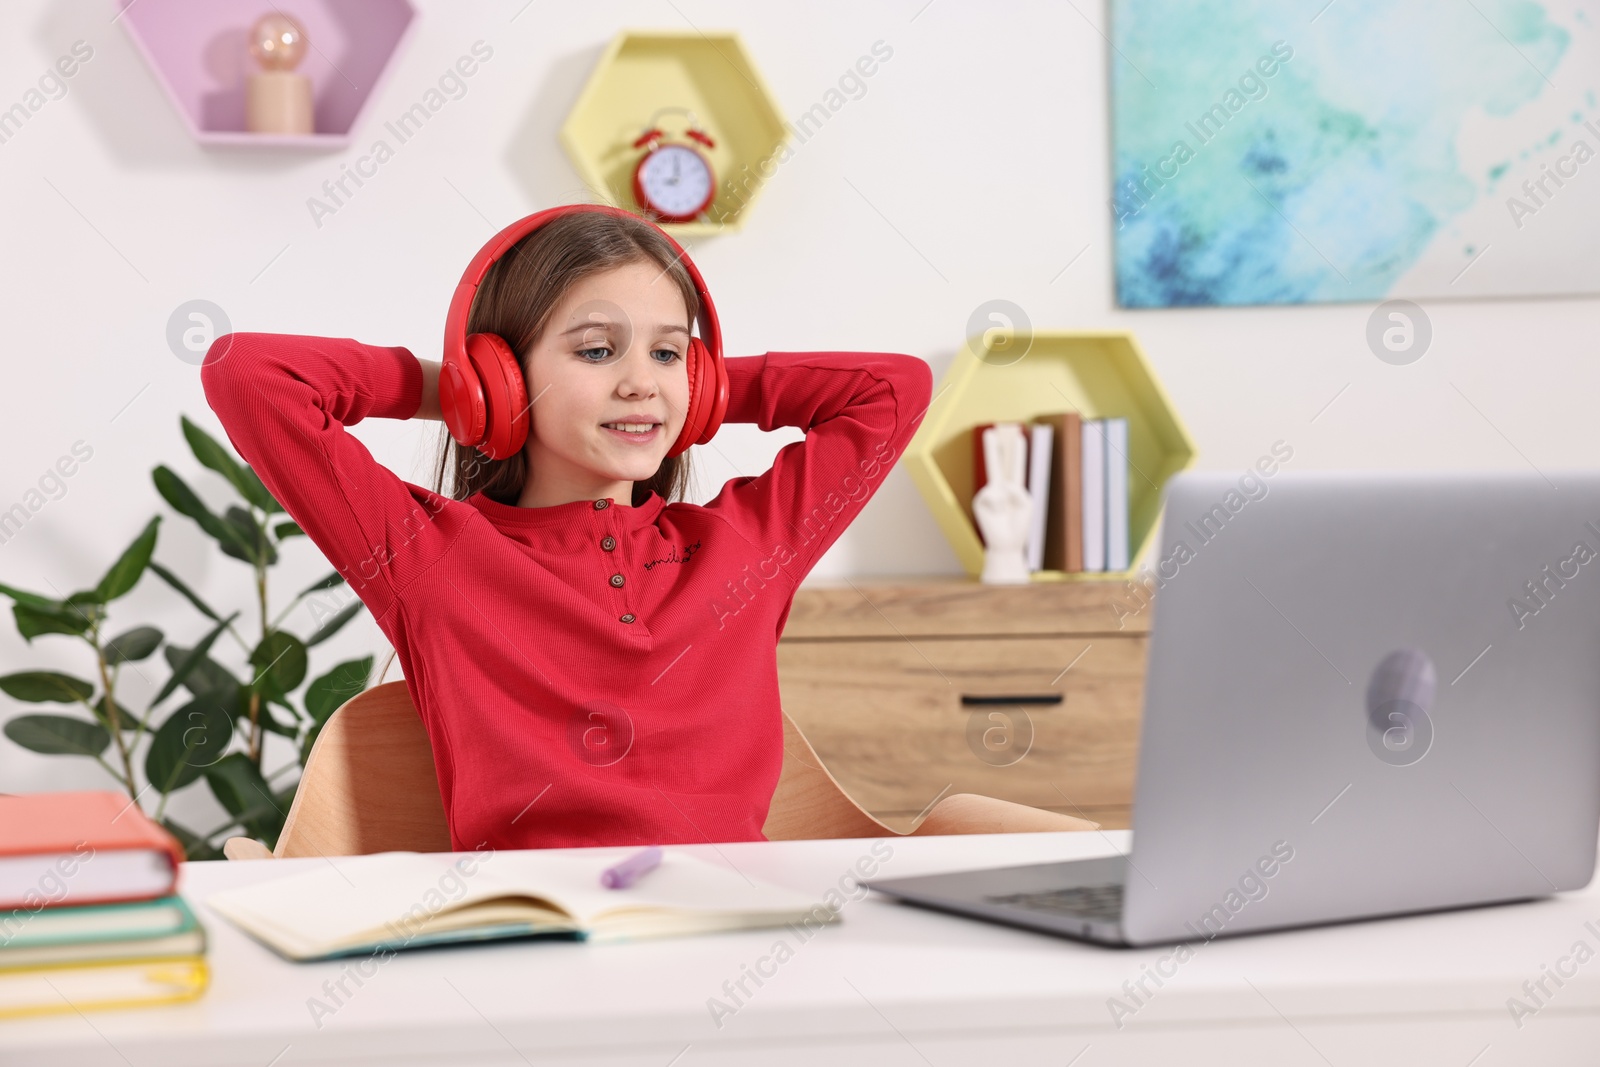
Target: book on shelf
<point x="1077" y="478"/>
<point x="1094" y="495"/>
<point x="1039" y="457"/>
<point x="1063" y="537"/>
<point x="397" y="900"/>
<point x="1116" y="493"/>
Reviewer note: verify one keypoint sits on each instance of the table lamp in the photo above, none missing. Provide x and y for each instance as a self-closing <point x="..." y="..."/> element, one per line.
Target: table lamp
<point x="277" y="100"/>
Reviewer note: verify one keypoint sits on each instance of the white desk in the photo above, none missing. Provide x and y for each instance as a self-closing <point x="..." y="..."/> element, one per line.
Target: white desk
<point x="888" y="985"/>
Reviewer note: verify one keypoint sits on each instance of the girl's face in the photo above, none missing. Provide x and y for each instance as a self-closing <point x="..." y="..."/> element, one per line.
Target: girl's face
<point x="613" y="353"/>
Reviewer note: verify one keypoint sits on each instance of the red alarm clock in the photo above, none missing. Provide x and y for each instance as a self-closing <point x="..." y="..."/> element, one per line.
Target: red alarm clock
<point x="674" y="181"/>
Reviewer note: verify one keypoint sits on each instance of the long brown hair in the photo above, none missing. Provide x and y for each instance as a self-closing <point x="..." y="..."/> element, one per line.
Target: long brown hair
<point x="519" y="293"/>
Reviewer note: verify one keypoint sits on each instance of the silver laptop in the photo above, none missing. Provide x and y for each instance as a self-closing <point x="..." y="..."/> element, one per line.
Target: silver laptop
<point x="1367" y="694"/>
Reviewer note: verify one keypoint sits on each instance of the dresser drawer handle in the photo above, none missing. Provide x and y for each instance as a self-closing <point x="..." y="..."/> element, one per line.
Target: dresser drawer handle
<point x="1041" y="698"/>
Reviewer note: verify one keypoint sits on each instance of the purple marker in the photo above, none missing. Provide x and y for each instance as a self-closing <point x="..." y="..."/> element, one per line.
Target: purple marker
<point x="631" y="869"/>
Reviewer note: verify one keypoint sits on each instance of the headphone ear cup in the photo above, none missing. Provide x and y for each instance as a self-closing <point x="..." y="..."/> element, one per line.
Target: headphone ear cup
<point x="694" y="418"/>
<point x="718" y="404"/>
<point x="505" y="395"/>
<point x="462" y="401"/>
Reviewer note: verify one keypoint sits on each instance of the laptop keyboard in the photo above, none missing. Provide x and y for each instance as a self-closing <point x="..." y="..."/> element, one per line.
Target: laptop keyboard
<point x="1079" y="901"/>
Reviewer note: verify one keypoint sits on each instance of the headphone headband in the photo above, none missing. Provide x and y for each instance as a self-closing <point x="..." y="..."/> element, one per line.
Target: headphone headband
<point x="455" y="323"/>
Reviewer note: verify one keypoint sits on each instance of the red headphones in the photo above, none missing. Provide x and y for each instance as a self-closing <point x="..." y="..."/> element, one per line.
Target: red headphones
<point x="481" y="390"/>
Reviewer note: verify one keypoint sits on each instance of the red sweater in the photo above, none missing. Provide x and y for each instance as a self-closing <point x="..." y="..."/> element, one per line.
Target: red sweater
<point x="589" y="673"/>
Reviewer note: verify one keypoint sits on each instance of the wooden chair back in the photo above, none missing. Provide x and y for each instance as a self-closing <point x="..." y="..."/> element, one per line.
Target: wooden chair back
<point x="369" y="786"/>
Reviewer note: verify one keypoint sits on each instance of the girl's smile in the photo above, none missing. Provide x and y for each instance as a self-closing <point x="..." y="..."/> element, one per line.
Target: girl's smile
<point x="634" y="433"/>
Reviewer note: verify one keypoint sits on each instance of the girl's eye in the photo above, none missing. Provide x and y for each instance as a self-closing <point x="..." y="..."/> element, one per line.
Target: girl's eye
<point x="605" y="354"/>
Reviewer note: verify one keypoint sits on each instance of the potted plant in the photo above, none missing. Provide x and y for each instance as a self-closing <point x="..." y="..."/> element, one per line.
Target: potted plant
<point x="206" y="722"/>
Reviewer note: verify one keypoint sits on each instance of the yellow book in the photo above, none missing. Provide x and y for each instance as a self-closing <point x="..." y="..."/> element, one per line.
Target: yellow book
<point x="97" y="984"/>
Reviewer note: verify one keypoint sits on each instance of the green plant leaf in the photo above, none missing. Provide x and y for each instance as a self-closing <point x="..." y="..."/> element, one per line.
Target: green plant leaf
<point x="325" y="694"/>
<point x="320" y="584"/>
<point x="260" y="495"/>
<point x="282" y="701"/>
<point x="242" y="546"/>
<point x="126" y="720"/>
<point x="31" y="621"/>
<point x="135" y="644"/>
<point x="208" y="451"/>
<point x="187" y="593"/>
<point x="88" y="600"/>
<point x="193" y="847"/>
<point x="46" y="687"/>
<point x="87" y="605"/>
<point x="129" y="567"/>
<point x="253" y="533"/>
<point x="193" y="738"/>
<point x="280" y="663"/>
<point x="332" y="626"/>
<point x="37" y="615"/>
<point x="58" y="735"/>
<point x="237" y="784"/>
<point x="264" y="715"/>
<point x="271" y="722"/>
<point x="211" y="453"/>
<point x="33" y="600"/>
<point x="206" y="677"/>
<point x="287" y="529"/>
<point x="175" y="491"/>
<point x="184" y="500"/>
<point x="181" y="670"/>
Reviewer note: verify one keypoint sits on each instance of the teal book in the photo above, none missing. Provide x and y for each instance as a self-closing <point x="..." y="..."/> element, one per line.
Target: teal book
<point x="163" y="927"/>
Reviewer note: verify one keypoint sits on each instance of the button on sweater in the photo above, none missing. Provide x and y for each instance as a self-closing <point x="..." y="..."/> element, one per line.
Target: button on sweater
<point x="589" y="673"/>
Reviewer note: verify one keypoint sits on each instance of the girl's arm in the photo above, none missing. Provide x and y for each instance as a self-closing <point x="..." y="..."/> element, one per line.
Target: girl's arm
<point x="285" y="401"/>
<point x="859" y="411"/>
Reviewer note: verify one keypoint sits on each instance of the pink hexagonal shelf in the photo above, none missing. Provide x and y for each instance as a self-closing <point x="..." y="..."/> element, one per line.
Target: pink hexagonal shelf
<point x="200" y="53"/>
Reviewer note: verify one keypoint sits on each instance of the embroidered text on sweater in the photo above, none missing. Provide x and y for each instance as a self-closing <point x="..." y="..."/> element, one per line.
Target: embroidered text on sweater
<point x="688" y="552"/>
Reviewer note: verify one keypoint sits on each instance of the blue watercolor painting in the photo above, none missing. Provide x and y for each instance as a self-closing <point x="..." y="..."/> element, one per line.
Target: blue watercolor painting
<point x="1287" y="152"/>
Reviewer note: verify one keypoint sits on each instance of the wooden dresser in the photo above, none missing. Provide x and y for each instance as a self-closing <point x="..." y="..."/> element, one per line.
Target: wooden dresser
<point x="911" y="689"/>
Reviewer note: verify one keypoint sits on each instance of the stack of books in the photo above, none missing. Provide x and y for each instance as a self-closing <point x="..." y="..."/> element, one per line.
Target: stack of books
<point x="1077" y="477"/>
<point x="89" y="915"/>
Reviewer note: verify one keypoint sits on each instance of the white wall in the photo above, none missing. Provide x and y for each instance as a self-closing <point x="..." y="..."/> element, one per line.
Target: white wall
<point x="974" y="167"/>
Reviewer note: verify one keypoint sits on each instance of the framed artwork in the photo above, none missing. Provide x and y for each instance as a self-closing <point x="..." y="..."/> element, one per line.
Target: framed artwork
<point x="1322" y="151"/>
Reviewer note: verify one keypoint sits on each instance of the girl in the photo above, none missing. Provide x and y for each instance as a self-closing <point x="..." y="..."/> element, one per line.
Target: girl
<point x="594" y="658"/>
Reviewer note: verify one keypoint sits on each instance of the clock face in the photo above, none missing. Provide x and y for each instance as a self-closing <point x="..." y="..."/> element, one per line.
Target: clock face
<point x="675" y="181"/>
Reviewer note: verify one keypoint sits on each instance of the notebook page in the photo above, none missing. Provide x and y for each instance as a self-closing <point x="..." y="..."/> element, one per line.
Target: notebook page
<point x="353" y="900"/>
<point x="682" y="883"/>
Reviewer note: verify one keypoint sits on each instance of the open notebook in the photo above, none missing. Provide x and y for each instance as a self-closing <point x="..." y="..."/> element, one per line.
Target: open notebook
<point x="393" y="900"/>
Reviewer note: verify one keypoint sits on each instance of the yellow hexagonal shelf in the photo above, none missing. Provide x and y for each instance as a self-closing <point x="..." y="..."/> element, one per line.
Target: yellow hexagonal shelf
<point x="709" y="74"/>
<point x="1097" y="375"/>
